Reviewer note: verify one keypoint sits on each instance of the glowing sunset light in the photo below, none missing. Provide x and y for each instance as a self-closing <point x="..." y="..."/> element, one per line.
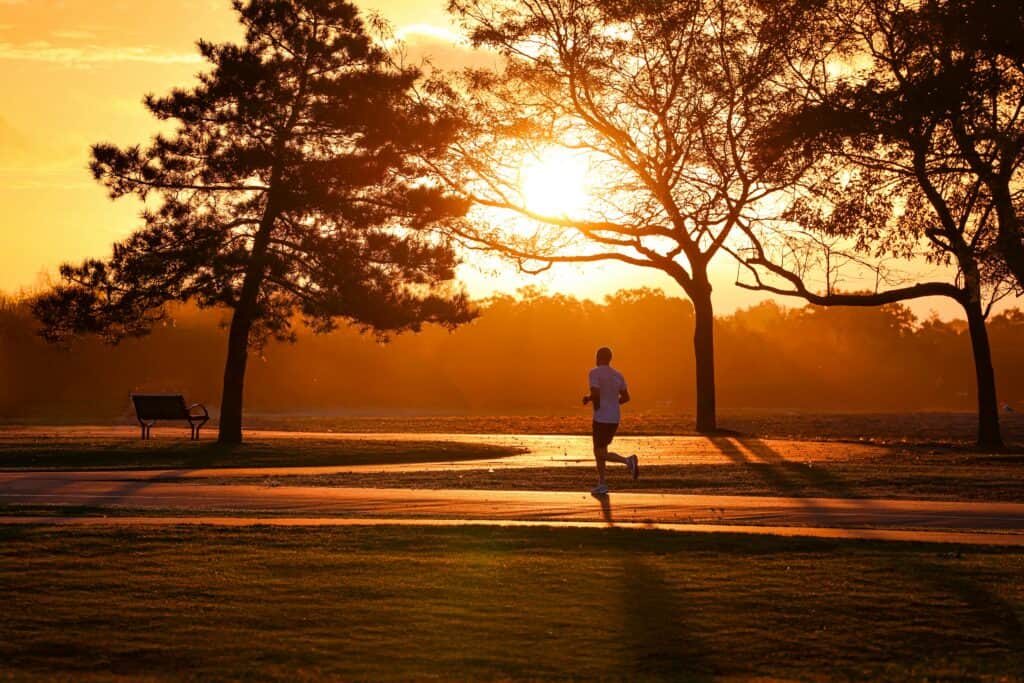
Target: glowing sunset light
<point x="554" y="183"/>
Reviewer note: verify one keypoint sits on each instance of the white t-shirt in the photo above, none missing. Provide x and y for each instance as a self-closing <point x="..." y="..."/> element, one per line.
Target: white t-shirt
<point x="610" y="382"/>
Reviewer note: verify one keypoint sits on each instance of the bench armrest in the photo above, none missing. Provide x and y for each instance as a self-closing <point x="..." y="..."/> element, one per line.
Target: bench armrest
<point x="201" y="407"/>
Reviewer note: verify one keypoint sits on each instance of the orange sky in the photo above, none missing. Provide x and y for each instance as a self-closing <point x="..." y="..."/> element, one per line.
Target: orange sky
<point x="73" y="72"/>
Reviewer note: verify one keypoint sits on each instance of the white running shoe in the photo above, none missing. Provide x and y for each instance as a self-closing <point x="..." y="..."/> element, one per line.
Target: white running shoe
<point x="599" y="490"/>
<point x="633" y="463"/>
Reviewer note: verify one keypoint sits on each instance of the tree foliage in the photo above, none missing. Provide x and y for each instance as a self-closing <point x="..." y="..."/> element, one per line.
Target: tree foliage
<point x="293" y="180"/>
<point x="883" y="129"/>
<point x="294" y="158"/>
<point x="663" y="101"/>
<point x="914" y="114"/>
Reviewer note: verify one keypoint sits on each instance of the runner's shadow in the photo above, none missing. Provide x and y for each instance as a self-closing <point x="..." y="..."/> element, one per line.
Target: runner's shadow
<point x="606" y="508"/>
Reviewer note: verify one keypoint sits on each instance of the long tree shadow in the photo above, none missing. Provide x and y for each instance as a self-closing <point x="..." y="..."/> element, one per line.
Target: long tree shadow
<point x="657" y="639"/>
<point x="76" y="492"/>
<point x="786" y="476"/>
<point x="997" y="616"/>
<point x="802" y="484"/>
<point x="77" y="496"/>
<point x="995" y="610"/>
<point x="818" y="476"/>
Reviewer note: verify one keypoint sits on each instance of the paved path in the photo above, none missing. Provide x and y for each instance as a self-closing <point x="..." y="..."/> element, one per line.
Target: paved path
<point x="175" y="493"/>
<point x="100" y="490"/>
<point x="954" y="537"/>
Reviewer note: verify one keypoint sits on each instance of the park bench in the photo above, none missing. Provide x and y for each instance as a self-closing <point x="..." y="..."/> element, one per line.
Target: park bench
<point x="152" y="407"/>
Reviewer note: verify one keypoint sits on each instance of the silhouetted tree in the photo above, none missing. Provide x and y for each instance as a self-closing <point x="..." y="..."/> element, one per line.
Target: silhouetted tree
<point x="291" y="183"/>
<point x="957" y="64"/>
<point x="962" y="61"/>
<point x="662" y="99"/>
<point x="889" y="181"/>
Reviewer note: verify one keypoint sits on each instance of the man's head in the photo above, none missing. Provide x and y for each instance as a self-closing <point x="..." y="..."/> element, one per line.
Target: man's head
<point x="604" y="355"/>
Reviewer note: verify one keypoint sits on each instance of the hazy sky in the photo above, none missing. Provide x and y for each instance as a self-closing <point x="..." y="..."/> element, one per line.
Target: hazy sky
<point x="73" y="72"/>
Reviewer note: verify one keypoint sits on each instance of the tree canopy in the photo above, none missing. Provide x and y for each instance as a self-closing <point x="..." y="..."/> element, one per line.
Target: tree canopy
<point x="293" y="180"/>
<point x="661" y="100"/>
<point x="889" y="177"/>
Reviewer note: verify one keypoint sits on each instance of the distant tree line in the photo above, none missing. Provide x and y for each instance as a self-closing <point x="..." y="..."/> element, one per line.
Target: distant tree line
<point x="527" y="355"/>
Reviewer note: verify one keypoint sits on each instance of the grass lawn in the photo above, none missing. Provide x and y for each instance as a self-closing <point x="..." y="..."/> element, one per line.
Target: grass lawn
<point x="900" y="475"/>
<point x="930" y="428"/>
<point x="76" y="453"/>
<point x="955" y="429"/>
<point x="409" y="603"/>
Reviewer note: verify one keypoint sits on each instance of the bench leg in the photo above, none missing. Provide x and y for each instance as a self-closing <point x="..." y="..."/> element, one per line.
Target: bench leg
<point x="196" y="424"/>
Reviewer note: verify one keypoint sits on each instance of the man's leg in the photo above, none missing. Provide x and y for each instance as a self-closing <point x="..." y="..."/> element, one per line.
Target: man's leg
<point x="601" y="456"/>
<point x="615" y="457"/>
<point x="600" y="453"/>
<point x="603" y="435"/>
<point x="630" y="462"/>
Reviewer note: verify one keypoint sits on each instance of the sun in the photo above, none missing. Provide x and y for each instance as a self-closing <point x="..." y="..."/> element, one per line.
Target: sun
<point x="554" y="183"/>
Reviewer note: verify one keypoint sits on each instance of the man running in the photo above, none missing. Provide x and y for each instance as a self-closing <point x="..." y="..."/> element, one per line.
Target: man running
<point x="607" y="392"/>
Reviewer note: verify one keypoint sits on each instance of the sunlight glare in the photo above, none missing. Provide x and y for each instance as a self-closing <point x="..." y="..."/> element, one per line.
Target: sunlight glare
<point x="553" y="183"/>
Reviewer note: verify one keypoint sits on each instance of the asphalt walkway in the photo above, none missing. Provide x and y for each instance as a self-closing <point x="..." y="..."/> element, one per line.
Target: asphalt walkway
<point x="180" y="496"/>
<point x="149" y="491"/>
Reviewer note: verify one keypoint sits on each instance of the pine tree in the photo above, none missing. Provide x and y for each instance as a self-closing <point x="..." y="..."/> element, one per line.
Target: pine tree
<point x="292" y="184"/>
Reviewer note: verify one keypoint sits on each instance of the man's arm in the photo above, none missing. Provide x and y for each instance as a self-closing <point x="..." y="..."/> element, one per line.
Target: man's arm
<point x="595" y="398"/>
<point x="623" y="396"/>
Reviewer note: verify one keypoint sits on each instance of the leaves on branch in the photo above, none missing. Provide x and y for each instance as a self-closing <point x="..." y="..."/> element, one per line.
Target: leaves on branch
<point x="298" y="163"/>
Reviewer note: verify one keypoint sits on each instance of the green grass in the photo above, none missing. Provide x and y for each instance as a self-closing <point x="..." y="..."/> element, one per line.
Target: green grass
<point x="957" y="429"/>
<point x="471" y="603"/>
<point x="74" y="453"/>
<point x="948" y="429"/>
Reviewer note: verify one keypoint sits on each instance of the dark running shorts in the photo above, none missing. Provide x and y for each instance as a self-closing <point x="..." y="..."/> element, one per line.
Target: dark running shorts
<point x="603" y="433"/>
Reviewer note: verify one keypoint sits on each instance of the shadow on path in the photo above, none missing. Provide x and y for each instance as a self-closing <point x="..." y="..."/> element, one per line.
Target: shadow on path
<point x="606" y="508"/>
<point x="44" y="489"/>
<point x="786" y="476"/>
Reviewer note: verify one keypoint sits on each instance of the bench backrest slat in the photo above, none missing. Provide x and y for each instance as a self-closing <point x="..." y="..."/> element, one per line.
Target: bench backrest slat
<point x="160" y="406"/>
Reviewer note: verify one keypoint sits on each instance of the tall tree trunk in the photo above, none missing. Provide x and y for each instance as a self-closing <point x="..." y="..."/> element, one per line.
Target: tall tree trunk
<point x="704" y="355"/>
<point x="230" y="430"/>
<point x="989" y="435"/>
